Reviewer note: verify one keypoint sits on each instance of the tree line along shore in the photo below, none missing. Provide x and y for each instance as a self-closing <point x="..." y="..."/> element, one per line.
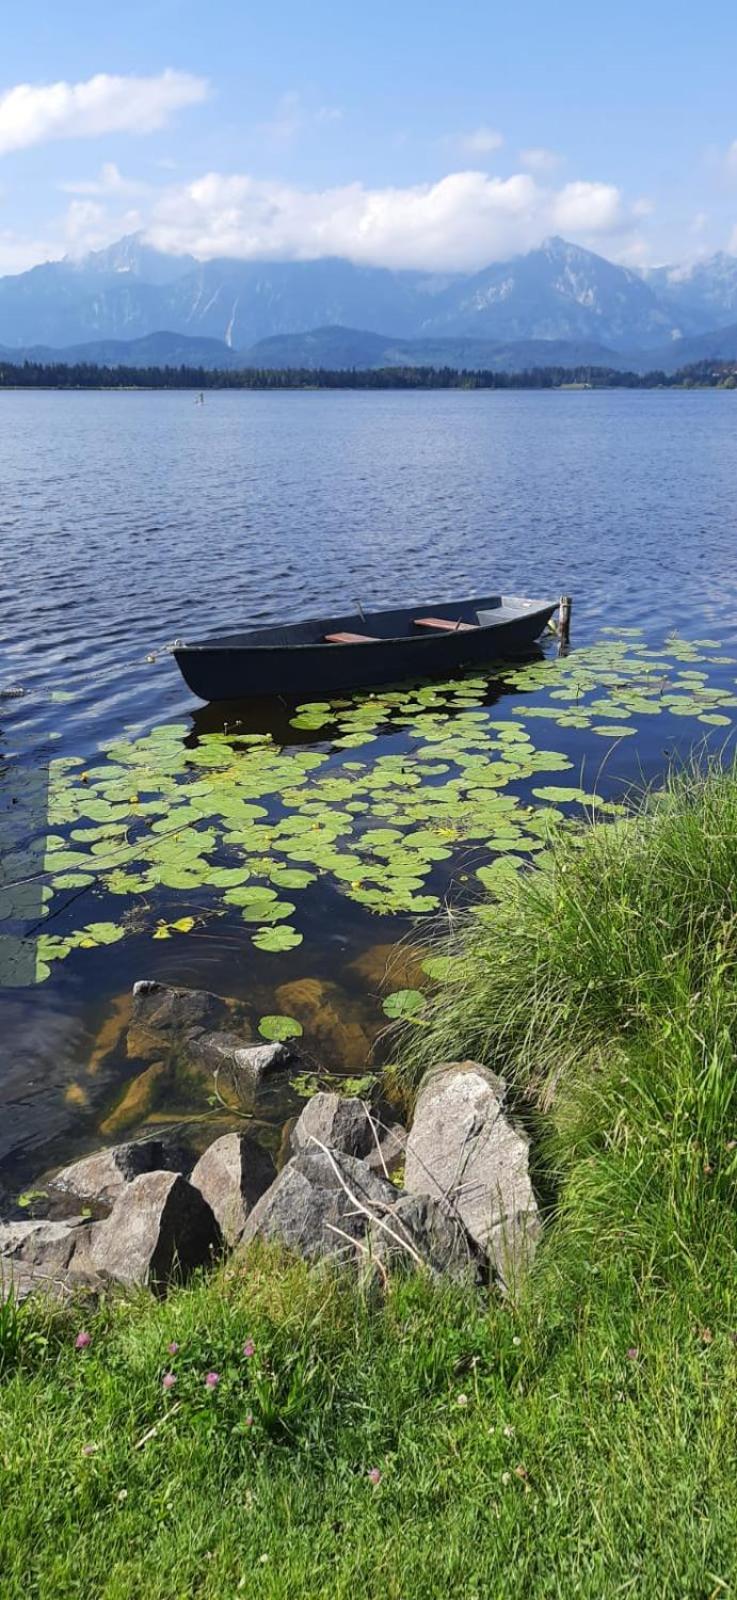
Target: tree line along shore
<point x="84" y="375"/>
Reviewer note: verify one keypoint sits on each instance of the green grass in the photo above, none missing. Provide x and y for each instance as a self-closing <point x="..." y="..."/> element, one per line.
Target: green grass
<point x="579" y="1443"/>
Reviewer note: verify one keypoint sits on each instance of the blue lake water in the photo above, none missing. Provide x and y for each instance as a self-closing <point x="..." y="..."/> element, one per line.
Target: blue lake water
<point x="129" y="519"/>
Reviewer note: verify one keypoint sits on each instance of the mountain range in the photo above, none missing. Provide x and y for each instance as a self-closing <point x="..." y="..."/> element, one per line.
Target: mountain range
<point x="559" y="304"/>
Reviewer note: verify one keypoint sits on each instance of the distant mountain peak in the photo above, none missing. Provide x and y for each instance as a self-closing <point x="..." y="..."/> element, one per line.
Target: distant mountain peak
<point x="558" y="292"/>
<point x="131" y="255"/>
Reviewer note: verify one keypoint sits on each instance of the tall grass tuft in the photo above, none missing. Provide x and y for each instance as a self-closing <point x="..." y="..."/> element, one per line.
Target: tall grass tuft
<point x="604" y="988"/>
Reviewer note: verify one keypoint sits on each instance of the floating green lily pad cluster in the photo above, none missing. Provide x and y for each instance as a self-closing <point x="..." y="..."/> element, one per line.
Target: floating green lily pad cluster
<point x="236" y="822"/>
<point x="604" y="687"/>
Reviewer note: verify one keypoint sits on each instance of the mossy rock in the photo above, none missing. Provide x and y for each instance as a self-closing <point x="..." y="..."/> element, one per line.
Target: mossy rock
<point x="138" y="1100"/>
<point x="396" y="966"/>
<point x="335" y="1023"/>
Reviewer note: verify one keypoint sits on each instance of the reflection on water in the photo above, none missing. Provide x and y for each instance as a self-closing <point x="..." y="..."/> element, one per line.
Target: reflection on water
<point x="277" y="856"/>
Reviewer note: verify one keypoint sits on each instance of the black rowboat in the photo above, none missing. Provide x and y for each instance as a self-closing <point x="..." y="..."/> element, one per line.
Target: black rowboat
<point x="328" y="654"/>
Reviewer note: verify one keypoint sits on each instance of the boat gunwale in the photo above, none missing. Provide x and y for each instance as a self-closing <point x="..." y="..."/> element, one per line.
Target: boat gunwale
<point x="532" y="609"/>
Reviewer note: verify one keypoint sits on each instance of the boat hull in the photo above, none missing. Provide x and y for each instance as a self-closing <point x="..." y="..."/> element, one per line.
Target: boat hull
<point x="230" y="670"/>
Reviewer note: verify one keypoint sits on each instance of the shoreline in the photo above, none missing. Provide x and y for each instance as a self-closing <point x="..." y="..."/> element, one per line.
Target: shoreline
<point x="315" y="388"/>
<point x="288" y="1422"/>
<point x="76" y="376"/>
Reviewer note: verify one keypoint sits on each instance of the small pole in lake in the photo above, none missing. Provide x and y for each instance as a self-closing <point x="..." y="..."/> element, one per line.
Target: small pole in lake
<point x="564" y="621"/>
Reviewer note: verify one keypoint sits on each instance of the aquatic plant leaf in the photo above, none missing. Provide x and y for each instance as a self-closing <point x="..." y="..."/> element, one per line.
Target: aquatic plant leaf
<point x="278" y="1028"/>
<point x="179" y="878"/>
<point x="310" y="719"/>
<point x="254" y="893"/>
<point x="443" y="969"/>
<point x="292" y="877"/>
<point x="277" y="939"/>
<point x="561" y="794"/>
<point x="500" y="870"/>
<point x="404" y="1003"/>
<point x="268" y="911"/>
<point x="102" y="933"/>
<point x="73" y="880"/>
<point x="227" y="877"/>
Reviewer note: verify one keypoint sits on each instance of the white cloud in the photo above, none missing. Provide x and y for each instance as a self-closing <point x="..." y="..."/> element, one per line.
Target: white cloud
<point x="88" y="226"/>
<point x="110" y="181"/>
<point x="18" y="252"/>
<point x="36" y="113"/>
<point x="462" y="222"/>
<point x="538" y="159"/>
<point x="587" y="208"/>
<point x="481" y="141"/>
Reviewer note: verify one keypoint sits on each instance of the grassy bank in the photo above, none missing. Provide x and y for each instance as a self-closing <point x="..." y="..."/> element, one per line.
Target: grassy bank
<point x="581" y="1442"/>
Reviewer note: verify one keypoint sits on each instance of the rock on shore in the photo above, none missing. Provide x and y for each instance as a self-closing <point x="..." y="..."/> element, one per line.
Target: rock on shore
<point x="464" y="1148"/>
<point x="467" y="1207"/>
<point x="231" y="1176"/>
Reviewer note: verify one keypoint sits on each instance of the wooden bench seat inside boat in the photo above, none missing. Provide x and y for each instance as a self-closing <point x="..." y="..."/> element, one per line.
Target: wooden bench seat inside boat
<point x="349" y="638"/>
<point x="444" y="624"/>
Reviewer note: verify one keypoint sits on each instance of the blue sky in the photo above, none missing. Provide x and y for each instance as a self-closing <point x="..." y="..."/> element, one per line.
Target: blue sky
<point x="403" y="134"/>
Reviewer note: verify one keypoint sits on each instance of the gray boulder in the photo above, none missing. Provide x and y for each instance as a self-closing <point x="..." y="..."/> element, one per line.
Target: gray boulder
<point x="48" y="1257"/>
<point x="165" y="1020"/>
<point x="465" y="1150"/>
<point x="390" y="1153"/>
<point x="40" y="1243"/>
<point x="232" y="1175"/>
<point x="65" y="1286"/>
<point x="101" y="1176"/>
<point x="424" y="1232"/>
<point x="314" y="1205"/>
<point x="159" y="1227"/>
<point x="246" y="1064"/>
<point x="175" y="1011"/>
<point x="343" y="1123"/>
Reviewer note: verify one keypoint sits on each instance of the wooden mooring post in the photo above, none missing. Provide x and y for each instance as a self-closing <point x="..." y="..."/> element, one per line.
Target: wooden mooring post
<point x="564" y="620"/>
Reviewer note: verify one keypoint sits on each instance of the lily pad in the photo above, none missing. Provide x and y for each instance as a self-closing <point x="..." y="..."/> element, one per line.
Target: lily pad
<point x="277" y="939"/>
<point x="404" y="1003"/>
<point x="278" y="1028"/>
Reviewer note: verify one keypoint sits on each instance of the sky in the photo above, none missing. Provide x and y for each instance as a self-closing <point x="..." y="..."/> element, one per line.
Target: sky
<point x="409" y="134"/>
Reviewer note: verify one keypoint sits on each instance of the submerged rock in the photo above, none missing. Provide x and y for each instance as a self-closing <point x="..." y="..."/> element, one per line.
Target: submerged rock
<point x="464" y="1149"/>
<point x="160" y="1227"/>
<point x="163" y="1018"/>
<point x="111" y="1031"/>
<point x="231" y="1176"/>
<point x="247" y="1064"/>
<point x="399" y="965"/>
<point x="169" y="1010"/>
<point x="101" y="1176"/>
<point x="332" y="1019"/>
<point x="138" y="1099"/>
<point x="314" y="1207"/>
